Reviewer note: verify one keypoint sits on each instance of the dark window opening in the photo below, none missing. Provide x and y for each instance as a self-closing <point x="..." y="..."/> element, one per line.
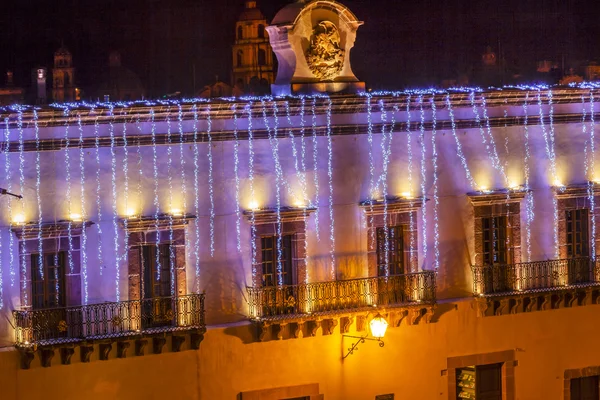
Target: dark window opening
<point x="262" y="57"/>
<point x="48" y="280"/>
<point x="261" y="31"/>
<point x="495" y="236"/>
<point x="240" y="56"/>
<point x="272" y="273"/>
<point x="585" y="388"/>
<point x="396" y="256"/>
<point x="240" y="32"/>
<point x="577" y="233"/>
<point x="157" y="265"/>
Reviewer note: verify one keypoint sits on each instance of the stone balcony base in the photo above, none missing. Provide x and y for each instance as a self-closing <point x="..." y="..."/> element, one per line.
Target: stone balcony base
<point x="307" y="325"/>
<point x="539" y="300"/>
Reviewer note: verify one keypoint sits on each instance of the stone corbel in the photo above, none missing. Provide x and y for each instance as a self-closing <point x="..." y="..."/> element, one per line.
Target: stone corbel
<point x="361" y="322"/>
<point x="313" y="326"/>
<point x="122" y="347"/>
<point x="27" y="356"/>
<point x="46" y="356"/>
<point x="278" y="330"/>
<point x="157" y="344"/>
<point x="503" y="307"/>
<point x="176" y="343"/>
<point x="262" y="329"/>
<point x="140" y="345"/>
<point x="516" y="306"/>
<point x="530" y="303"/>
<point x="396" y="318"/>
<point x="481" y="306"/>
<point x="85" y="352"/>
<point x="346" y="322"/>
<point x="65" y="355"/>
<point x="428" y="315"/>
<point x="296" y="329"/>
<point x="546" y="302"/>
<point x="195" y="339"/>
<point x="105" y="349"/>
<point x="413" y="315"/>
<point x="556" y="300"/>
<point x="329" y="326"/>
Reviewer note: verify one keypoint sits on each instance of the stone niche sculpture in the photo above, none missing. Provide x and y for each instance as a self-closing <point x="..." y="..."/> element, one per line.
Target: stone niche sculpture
<point x="312" y="41"/>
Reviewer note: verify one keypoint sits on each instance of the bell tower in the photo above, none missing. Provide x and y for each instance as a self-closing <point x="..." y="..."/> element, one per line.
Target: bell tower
<point x="252" y="54"/>
<point x="63" y="76"/>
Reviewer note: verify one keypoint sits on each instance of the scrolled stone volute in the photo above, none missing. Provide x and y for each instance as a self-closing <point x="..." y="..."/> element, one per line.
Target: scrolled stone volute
<point x="312" y="41"/>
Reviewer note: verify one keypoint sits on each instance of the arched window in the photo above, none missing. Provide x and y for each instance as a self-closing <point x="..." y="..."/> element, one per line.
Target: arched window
<point x="262" y="57"/>
<point x="67" y="80"/>
<point x="261" y="31"/>
<point x="240" y="34"/>
<point x="240" y="56"/>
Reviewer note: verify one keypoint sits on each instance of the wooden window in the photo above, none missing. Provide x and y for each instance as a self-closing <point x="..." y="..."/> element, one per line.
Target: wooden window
<point x="585" y="388"/>
<point x="395" y="251"/>
<point x="577" y="233"/>
<point x="494" y="238"/>
<point x="479" y="382"/>
<point x="271" y="275"/>
<point x="48" y="280"/>
<point x="156" y="270"/>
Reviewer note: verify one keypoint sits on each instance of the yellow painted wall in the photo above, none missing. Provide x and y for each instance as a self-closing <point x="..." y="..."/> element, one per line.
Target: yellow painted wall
<point x="410" y="365"/>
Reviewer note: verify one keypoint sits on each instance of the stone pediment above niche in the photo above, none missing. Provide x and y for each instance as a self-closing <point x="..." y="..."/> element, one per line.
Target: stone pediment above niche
<point x="312" y="41"/>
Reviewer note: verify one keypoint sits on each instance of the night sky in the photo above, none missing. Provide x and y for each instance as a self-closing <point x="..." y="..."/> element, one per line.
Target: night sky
<point x="402" y="44"/>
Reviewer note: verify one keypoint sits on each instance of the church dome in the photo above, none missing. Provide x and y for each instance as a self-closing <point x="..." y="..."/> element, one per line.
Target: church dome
<point x="251" y="13"/>
<point x="120" y="83"/>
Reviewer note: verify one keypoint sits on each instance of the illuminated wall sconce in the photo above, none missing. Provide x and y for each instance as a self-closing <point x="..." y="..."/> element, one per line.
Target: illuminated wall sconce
<point x="253" y="205"/>
<point x="378" y="327"/>
<point x="75" y="217"/>
<point x="18" y="219"/>
<point x="131" y="213"/>
<point x="176" y="212"/>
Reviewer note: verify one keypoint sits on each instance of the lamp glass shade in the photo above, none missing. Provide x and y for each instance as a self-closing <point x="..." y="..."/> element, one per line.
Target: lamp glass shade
<point x="378" y="326"/>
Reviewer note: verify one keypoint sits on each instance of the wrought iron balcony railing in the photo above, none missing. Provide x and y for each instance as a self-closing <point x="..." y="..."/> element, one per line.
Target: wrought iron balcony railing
<point x="533" y="276"/>
<point x="109" y="320"/>
<point x="347" y="295"/>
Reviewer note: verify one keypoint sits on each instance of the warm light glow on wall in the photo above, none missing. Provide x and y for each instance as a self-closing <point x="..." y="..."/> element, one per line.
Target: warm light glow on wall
<point x="18" y="219"/>
<point x="75" y="217"/>
<point x="407" y="195"/>
<point x="131" y="213"/>
<point x="253" y="205"/>
<point x="176" y="212"/>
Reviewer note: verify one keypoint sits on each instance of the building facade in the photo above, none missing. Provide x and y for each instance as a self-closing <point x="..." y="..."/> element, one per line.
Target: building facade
<point x="241" y="249"/>
<point x="253" y="68"/>
<point x="63" y="76"/>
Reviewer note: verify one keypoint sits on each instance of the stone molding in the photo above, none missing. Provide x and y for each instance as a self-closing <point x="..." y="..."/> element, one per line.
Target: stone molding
<point x="576" y="374"/>
<point x="295" y="327"/>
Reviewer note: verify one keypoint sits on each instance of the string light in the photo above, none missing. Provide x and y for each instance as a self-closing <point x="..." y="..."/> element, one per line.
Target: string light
<point x="278" y="176"/>
<point x="236" y="168"/>
<point x="1" y="273"/>
<point x="68" y="192"/>
<point x="529" y="204"/>
<point x="7" y="174"/>
<point x="410" y="178"/>
<point x="459" y="151"/>
<point x="305" y="184"/>
<point x="549" y="146"/>
<point x="38" y="182"/>
<point x="248" y="110"/>
<point x="593" y="173"/>
<point x="170" y="215"/>
<point x="385" y="158"/>
<point x="22" y="189"/>
<point x="423" y="175"/>
<point x="84" y="260"/>
<point x="98" y="189"/>
<point x="436" y="201"/>
<point x="126" y="187"/>
<point x="315" y="166"/>
<point x="330" y="176"/>
<point x="371" y="169"/>
<point x="211" y="183"/>
<point x="196" y="200"/>
<point x="156" y="200"/>
<point x="113" y="162"/>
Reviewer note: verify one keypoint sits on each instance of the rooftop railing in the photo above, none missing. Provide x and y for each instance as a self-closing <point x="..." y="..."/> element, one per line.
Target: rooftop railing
<point x="109" y="320"/>
<point x="275" y="302"/>
<point x="533" y="276"/>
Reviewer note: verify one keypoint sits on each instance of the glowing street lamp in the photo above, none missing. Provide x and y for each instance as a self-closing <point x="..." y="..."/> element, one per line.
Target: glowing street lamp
<point x="378" y="327"/>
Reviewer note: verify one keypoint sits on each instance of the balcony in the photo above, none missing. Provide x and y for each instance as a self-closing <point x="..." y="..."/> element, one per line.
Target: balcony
<point x="536" y="285"/>
<point x="108" y="322"/>
<point x="334" y="297"/>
